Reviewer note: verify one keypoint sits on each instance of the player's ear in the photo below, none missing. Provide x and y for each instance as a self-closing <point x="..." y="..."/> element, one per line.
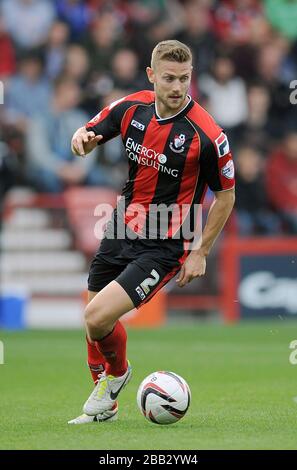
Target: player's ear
<point x="150" y="74"/>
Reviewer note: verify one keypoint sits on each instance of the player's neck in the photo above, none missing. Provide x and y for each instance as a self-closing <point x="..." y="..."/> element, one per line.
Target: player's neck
<point x="163" y="112"/>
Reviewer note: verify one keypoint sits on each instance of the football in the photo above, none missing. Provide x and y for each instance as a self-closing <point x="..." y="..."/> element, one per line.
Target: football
<point x="163" y="397"/>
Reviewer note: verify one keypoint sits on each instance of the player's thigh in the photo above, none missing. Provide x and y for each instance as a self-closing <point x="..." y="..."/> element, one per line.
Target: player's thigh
<point x="136" y="284"/>
<point x="108" y="305"/>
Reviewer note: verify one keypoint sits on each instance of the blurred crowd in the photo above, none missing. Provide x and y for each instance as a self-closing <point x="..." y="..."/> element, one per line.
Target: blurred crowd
<point x="61" y="61"/>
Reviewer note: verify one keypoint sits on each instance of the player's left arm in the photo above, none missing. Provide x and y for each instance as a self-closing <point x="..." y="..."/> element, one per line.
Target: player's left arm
<point x="217" y="169"/>
<point x="219" y="212"/>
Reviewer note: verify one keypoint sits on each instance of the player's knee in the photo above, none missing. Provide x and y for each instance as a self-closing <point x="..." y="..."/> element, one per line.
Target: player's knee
<point x="91" y="314"/>
<point x="97" y="325"/>
<point x="97" y="320"/>
<point x="98" y="330"/>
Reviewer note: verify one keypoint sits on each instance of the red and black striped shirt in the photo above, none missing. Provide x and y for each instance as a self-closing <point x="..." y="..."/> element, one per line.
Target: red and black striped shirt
<point x="172" y="161"/>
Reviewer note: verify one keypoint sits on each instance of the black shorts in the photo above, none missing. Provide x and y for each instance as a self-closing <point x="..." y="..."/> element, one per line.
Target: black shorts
<point x="141" y="266"/>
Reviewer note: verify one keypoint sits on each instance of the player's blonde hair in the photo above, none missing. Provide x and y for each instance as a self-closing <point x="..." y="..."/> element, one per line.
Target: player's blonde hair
<point x="172" y="50"/>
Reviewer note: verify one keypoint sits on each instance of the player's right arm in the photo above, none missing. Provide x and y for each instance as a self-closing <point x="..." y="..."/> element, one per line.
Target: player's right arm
<point x="104" y="126"/>
<point x="107" y="124"/>
<point x="84" y="141"/>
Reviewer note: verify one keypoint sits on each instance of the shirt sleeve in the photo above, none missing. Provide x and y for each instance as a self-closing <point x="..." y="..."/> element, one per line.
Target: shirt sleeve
<point x="216" y="163"/>
<point x="108" y="121"/>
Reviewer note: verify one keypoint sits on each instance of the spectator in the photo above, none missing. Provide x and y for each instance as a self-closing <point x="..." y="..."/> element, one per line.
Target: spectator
<point x="51" y="164"/>
<point x="76" y="67"/>
<point x="270" y="60"/>
<point x="104" y="39"/>
<point x="198" y="35"/>
<point x="125" y="72"/>
<point x="28" y="21"/>
<point x="233" y="20"/>
<point x="227" y="96"/>
<point x="257" y="129"/>
<point x="145" y="12"/>
<point x="254" y="215"/>
<point x="101" y="45"/>
<point x="245" y="55"/>
<point x="77" y="64"/>
<point x="55" y="49"/>
<point x="281" y="180"/>
<point x="28" y="92"/>
<point x="152" y="21"/>
<point x="275" y="62"/>
<point x="76" y="14"/>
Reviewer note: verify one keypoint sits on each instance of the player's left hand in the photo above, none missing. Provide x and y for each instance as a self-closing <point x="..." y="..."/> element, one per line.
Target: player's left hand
<point x="194" y="266"/>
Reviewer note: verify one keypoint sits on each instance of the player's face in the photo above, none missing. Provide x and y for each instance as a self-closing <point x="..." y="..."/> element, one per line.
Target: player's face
<point x="171" y="83"/>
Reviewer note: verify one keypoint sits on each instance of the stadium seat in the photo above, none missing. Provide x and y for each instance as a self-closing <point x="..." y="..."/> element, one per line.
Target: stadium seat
<point x="81" y="204"/>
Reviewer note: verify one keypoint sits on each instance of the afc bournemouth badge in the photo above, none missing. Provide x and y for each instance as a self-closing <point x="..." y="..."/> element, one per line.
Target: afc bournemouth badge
<point x="177" y="145"/>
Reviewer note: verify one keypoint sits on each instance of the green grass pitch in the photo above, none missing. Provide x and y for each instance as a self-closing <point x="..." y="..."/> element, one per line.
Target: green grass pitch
<point x="244" y="389"/>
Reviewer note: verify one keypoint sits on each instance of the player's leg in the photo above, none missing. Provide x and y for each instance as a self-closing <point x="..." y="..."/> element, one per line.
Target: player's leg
<point x="96" y="360"/>
<point x="136" y="284"/>
<point x="101" y="273"/>
<point x="103" y="327"/>
<point x="96" y="363"/>
<point x="109" y="335"/>
<point x="131" y="288"/>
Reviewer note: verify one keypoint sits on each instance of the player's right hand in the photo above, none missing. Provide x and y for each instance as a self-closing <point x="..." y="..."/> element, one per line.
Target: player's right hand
<point x="83" y="141"/>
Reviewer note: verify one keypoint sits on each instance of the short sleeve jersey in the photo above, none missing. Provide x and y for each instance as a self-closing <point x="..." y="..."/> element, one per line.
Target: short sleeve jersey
<point x="172" y="161"/>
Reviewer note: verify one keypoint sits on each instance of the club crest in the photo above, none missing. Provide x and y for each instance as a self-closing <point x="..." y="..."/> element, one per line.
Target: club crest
<point x="177" y="145"/>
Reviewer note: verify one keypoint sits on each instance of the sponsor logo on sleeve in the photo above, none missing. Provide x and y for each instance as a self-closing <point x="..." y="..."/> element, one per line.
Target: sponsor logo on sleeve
<point x="228" y="170"/>
<point x="222" y="145"/>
